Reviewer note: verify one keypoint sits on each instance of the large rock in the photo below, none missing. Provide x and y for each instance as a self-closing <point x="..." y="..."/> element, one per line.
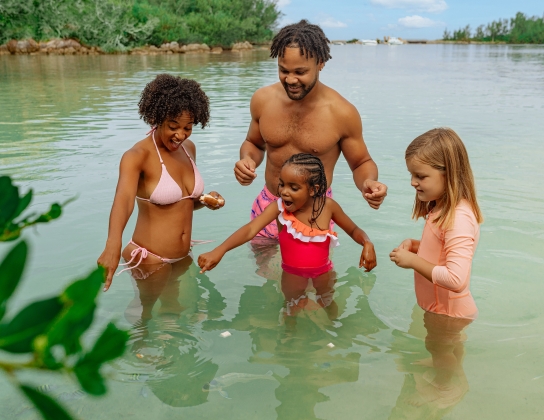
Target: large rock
<point x="239" y="46"/>
<point x="171" y="47"/>
<point x="216" y="50"/>
<point x="197" y="48"/>
<point x="25" y="46"/>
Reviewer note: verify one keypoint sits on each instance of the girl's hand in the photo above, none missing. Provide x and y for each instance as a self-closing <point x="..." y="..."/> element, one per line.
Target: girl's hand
<point x="213" y="200"/>
<point x="406" y="244"/>
<point x="368" y="257"/>
<point x="109" y="260"/>
<point x="209" y="260"/>
<point x="402" y="257"/>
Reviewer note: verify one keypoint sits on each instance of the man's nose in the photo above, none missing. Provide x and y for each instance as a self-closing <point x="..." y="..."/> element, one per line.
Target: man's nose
<point x="291" y="80"/>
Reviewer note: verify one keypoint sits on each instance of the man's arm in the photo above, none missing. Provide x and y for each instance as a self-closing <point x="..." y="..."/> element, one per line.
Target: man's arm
<point x="253" y="148"/>
<point x="365" y="171"/>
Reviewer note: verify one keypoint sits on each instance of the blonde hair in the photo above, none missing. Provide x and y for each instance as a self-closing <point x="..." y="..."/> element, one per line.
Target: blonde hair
<point x="442" y="149"/>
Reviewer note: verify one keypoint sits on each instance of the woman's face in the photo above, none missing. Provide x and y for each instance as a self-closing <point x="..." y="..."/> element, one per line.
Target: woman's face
<point x="175" y="131"/>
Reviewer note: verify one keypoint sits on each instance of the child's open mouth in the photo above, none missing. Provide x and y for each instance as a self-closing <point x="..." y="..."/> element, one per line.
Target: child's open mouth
<point x="287" y="203"/>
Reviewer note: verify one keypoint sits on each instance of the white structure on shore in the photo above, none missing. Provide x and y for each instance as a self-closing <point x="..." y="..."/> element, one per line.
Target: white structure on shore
<point x="368" y="42"/>
<point x="394" y="41"/>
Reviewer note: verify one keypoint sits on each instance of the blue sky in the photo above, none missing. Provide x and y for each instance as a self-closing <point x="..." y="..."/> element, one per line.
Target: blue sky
<point x="410" y="19"/>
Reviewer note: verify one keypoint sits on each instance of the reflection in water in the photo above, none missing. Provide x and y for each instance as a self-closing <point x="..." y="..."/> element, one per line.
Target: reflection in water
<point x="165" y="355"/>
<point x="432" y="387"/>
<point x="296" y="292"/>
<point x="294" y="338"/>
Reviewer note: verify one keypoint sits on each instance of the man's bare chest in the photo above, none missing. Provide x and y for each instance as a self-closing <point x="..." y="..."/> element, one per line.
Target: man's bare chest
<point x="300" y="130"/>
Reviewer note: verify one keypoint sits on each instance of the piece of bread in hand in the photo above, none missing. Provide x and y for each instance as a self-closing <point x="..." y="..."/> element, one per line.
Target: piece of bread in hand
<point x="211" y="201"/>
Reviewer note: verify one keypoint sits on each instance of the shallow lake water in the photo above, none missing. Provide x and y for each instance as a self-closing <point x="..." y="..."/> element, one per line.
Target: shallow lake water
<point x="64" y="125"/>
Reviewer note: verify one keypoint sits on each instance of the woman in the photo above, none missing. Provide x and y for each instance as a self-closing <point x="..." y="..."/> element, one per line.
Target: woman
<point x="159" y="172"/>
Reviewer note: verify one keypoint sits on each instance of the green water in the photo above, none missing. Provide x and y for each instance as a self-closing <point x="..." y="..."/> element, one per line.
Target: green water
<point x="64" y="124"/>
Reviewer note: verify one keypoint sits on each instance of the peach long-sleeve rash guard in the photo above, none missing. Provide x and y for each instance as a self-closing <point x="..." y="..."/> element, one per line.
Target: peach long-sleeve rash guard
<point x="451" y="251"/>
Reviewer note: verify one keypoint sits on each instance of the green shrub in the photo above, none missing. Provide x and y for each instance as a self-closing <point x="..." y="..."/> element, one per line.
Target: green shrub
<point x="519" y="30"/>
<point x="116" y="25"/>
<point x="49" y="331"/>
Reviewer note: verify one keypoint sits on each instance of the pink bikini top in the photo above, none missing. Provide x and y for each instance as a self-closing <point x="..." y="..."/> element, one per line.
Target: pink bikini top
<point x="167" y="190"/>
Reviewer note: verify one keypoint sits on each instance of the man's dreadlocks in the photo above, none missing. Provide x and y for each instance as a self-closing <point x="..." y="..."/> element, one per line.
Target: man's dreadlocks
<point x="310" y="39"/>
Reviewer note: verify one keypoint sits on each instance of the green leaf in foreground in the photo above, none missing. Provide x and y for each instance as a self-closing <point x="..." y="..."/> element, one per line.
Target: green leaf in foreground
<point x="54" y="213"/>
<point x="48" y="407"/>
<point x="110" y="345"/>
<point x="17" y="335"/>
<point x="9" y="200"/>
<point x="23" y="204"/>
<point x="79" y="301"/>
<point x="11" y="270"/>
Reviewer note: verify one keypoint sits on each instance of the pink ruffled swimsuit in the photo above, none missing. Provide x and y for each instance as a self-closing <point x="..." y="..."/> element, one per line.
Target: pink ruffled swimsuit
<point x="304" y="250"/>
<point x="166" y="192"/>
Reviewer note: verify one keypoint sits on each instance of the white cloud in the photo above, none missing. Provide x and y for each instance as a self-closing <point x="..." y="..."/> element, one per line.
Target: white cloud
<point x="330" y="22"/>
<point x="431" y="6"/>
<point x="282" y="3"/>
<point x="416" y="21"/>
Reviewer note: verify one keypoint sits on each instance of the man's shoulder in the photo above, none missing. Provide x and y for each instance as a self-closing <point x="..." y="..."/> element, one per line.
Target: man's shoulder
<point x="267" y="91"/>
<point x="337" y="102"/>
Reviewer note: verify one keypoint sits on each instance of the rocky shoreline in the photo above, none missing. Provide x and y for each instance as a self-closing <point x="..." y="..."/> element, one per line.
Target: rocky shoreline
<point x="73" y="47"/>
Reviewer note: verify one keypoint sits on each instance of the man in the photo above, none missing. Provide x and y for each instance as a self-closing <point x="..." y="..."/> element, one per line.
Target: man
<point x="301" y="114"/>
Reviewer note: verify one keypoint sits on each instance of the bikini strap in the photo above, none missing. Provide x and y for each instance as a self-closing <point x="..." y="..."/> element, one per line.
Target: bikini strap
<point x="156" y="147"/>
<point x="187" y="153"/>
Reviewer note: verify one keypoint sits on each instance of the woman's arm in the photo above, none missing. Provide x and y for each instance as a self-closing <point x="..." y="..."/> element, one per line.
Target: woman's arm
<point x="245" y="234"/>
<point x="368" y="256"/>
<point x="123" y="205"/>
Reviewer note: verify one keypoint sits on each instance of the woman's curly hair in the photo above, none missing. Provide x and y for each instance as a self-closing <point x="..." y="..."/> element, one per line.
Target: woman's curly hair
<point x="169" y="96"/>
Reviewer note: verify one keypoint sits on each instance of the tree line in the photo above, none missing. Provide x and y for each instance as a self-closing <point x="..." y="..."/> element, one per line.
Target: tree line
<point x="520" y="29"/>
<point x="117" y="25"/>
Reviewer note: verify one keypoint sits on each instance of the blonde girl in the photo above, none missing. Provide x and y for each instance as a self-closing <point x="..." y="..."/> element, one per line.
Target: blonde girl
<point x="445" y="196"/>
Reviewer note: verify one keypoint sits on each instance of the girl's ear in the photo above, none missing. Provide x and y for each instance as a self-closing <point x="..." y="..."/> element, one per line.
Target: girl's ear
<point x="314" y="190"/>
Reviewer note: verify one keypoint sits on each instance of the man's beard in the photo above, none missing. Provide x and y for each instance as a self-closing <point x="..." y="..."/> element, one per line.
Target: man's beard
<point x="304" y="90"/>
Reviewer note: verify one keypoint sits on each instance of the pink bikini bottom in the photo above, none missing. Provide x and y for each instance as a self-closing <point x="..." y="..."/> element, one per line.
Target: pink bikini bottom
<point x="144" y="253"/>
<point x="307" y="272"/>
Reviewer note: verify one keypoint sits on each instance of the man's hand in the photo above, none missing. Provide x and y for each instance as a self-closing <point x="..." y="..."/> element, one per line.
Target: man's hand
<point x="244" y="171"/>
<point x="374" y="193"/>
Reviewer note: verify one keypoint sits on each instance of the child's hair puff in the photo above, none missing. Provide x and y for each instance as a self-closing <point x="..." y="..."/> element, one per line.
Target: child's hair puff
<point x="316" y="180"/>
<point x="442" y="149"/>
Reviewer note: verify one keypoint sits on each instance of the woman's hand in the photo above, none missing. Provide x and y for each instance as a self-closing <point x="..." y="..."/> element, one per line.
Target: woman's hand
<point x="213" y="200"/>
<point x="402" y="257"/>
<point x="209" y="260"/>
<point x="368" y="257"/>
<point x="109" y="260"/>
